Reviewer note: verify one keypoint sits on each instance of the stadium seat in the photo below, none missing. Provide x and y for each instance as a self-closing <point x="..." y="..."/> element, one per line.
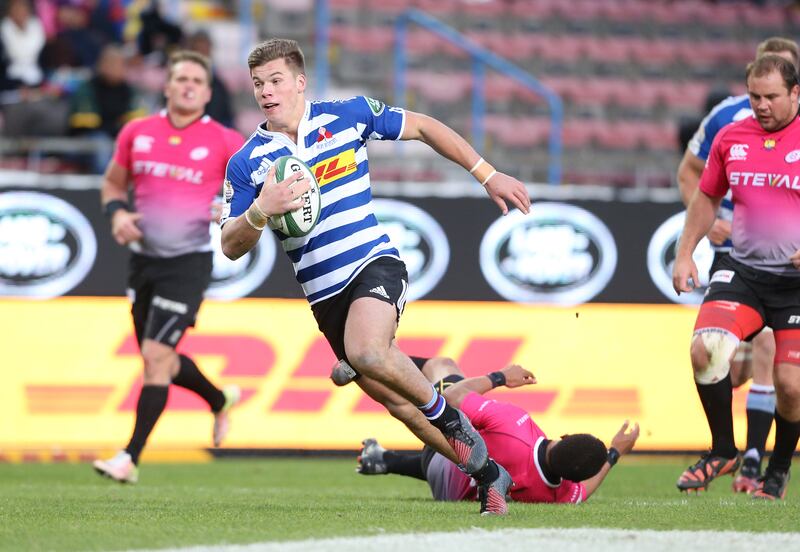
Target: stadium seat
<point x="440" y="87"/>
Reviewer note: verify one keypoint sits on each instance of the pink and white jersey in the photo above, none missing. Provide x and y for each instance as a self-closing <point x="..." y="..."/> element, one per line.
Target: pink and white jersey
<point x="176" y="174"/>
<point x="513" y="440"/>
<point x="762" y="170"/>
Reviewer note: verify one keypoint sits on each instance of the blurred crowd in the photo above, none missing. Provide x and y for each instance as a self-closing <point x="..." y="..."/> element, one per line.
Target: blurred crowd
<point x="75" y="68"/>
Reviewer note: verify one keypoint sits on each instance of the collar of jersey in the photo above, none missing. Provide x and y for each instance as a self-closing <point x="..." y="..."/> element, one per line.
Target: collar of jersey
<point x="301" y="130"/>
<point x="536" y="460"/>
<point x="165" y="115"/>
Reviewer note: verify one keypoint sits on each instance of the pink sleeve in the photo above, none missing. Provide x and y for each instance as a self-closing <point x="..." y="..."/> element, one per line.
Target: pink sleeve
<point x="122" y="152"/>
<point x="570" y="492"/>
<point x="714" y="180"/>
<point x="233" y="140"/>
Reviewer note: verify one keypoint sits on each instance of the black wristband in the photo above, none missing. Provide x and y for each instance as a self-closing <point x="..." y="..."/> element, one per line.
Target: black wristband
<point x="613" y="456"/>
<point x="113" y="206"/>
<point x="497" y="379"/>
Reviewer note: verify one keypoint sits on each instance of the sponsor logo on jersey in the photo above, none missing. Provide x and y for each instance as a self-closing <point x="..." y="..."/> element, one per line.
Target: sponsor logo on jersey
<point x="168" y="170"/>
<point x="738" y="152"/>
<point x="335" y="167"/>
<point x="47" y="246"/>
<point x="198" y="154"/>
<point x="375" y="105"/>
<point x="724" y="276"/>
<point x="760" y="179"/>
<point x="170" y="305"/>
<point x="422" y="243"/>
<point x="558" y="253"/>
<point x="769" y="143"/>
<point x="143" y="143"/>
<point x="793" y="156"/>
<point x="323" y="133"/>
<point x="661" y="254"/>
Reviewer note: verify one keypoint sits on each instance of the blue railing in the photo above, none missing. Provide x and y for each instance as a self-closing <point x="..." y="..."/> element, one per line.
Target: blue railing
<point x="321" y="45"/>
<point x="481" y="57"/>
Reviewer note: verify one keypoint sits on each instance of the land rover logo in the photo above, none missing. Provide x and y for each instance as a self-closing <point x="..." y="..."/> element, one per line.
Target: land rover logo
<point x="234" y="279"/>
<point x="557" y="254"/>
<point x="47" y="246"/>
<point x="421" y="241"/>
<point x="661" y="257"/>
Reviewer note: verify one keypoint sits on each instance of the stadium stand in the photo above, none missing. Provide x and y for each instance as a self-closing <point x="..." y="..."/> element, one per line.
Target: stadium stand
<point x="629" y="72"/>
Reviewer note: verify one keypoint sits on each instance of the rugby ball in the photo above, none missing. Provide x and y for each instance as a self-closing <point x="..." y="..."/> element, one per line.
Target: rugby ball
<point x="302" y="221"/>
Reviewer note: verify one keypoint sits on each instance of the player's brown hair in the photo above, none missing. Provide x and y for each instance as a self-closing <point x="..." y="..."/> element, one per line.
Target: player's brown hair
<point x="766" y="64"/>
<point x="776" y="44"/>
<point x="180" y="56"/>
<point x="278" y="48"/>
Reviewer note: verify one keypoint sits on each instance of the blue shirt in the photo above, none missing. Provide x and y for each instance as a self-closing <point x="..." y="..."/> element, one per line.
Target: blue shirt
<point x="729" y="110"/>
<point x="332" y="140"/>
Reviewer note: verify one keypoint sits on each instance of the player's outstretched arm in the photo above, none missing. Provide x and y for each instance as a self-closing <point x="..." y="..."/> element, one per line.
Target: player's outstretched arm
<point x="449" y="144"/>
<point x="511" y="376"/>
<point x="622" y="443"/>
<point x="240" y="234"/>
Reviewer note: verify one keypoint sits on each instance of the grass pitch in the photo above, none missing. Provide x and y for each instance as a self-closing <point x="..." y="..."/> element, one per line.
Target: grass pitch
<point x="68" y="507"/>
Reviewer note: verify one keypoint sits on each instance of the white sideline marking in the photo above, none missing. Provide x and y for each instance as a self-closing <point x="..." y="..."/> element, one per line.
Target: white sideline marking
<point x="563" y="540"/>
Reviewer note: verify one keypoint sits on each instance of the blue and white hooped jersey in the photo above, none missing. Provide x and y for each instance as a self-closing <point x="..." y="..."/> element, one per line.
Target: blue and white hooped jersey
<point x="332" y="140"/>
<point x="729" y="110"/>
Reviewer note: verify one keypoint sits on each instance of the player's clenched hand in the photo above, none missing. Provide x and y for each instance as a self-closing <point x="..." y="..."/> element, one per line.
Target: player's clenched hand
<point x="720" y="231"/>
<point x="124" y="229"/>
<point x="277" y="198"/>
<point x="502" y="188"/>
<point x="624" y="440"/>
<point x="517" y="376"/>
<point x="683" y="270"/>
<point x="795" y="258"/>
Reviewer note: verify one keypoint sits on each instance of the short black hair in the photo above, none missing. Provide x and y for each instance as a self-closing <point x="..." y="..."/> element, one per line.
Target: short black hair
<point x="577" y="457"/>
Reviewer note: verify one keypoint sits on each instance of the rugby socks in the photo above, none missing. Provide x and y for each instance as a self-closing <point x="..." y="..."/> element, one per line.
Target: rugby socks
<point x="404" y="463"/>
<point x="717" y="400"/>
<point x="786" y="436"/>
<point x="438" y="412"/>
<point x="760" y="413"/>
<point x="152" y="401"/>
<point x="486" y="474"/>
<point x="190" y="377"/>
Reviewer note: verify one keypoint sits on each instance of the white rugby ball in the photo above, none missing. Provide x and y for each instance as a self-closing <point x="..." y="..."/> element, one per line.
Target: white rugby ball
<point x="302" y="221"/>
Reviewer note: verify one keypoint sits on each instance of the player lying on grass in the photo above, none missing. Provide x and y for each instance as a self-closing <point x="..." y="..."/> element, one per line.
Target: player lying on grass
<point x="566" y="470"/>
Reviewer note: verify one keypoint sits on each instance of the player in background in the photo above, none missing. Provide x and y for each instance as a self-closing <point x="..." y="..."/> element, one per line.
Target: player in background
<point x="350" y="272"/>
<point x="753" y="359"/>
<point x="175" y="164"/>
<point x="568" y="470"/>
<point x="758" y="283"/>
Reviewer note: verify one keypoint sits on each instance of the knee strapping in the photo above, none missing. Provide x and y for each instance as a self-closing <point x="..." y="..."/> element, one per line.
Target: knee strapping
<point x="720" y="345"/>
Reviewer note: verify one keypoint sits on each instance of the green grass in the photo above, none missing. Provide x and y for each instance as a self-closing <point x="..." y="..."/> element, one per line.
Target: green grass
<point x="68" y="507"/>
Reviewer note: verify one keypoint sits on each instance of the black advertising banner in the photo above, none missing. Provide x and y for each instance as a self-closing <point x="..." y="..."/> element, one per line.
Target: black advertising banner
<point x="57" y="242"/>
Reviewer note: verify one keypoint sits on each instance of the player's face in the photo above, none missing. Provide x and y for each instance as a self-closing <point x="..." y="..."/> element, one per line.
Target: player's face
<point x="188" y="89"/>
<point x="280" y="93"/>
<point x="773" y="105"/>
